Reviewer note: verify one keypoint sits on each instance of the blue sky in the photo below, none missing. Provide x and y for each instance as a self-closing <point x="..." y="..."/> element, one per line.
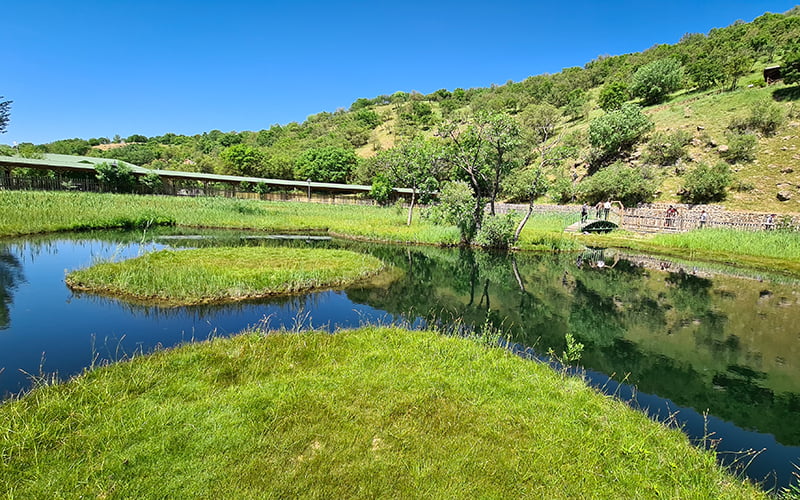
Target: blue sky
<point x="91" y="69"/>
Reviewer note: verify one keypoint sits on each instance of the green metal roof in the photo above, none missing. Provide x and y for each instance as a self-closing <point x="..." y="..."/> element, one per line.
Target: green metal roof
<point x="87" y="164"/>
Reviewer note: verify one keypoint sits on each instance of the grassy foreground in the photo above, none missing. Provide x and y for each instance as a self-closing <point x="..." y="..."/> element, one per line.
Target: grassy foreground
<point x="222" y="274"/>
<point x="375" y="412"/>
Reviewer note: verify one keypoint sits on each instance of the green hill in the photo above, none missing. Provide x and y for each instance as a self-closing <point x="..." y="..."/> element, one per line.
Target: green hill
<point x="716" y="109"/>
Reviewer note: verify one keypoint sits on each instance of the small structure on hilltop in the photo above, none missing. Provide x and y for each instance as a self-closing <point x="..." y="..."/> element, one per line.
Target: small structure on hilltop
<point x="772" y="74"/>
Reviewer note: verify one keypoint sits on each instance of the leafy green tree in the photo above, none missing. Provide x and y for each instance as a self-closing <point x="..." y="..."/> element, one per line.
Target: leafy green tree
<point x="136" y="138"/>
<point x="137" y="154"/>
<point x="328" y="164"/>
<point x="483" y="150"/>
<point x="243" y="160"/>
<point x="381" y="190"/>
<point x="654" y="81"/>
<point x="541" y="121"/>
<point x="152" y="182"/>
<point x="413" y="165"/>
<point x="577" y="105"/>
<point x="115" y="177"/>
<point x="455" y="207"/>
<point x="704" y="184"/>
<point x="790" y="69"/>
<point x="69" y="147"/>
<point x="619" y="182"/>
<point x="617" y="131"/>
<point x="5" y="114"/>
<point x="613" y="95"/>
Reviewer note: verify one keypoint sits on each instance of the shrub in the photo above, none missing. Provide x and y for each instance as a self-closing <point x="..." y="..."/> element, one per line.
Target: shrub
<point x="620" y="182"/>
<point x="618" y="130"/>
<point x="455" y="207"/>
<point x="741" y="147"/>
<point x="613" y="95"/>
<point x="765" y="117"/>
<point x="115" y="177"/>
<point x="151" y="182"/>
<point x="497" y="231"/>
<point x="562" y="190"/>
<point x="654" y="81"/>
<point x="666" y="148"/>
<point x="381" y="189"/>
<point x="706" y="184"/>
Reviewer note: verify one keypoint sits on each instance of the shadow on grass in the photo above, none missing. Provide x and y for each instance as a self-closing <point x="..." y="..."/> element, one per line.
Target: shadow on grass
<point x="787" y="94"/>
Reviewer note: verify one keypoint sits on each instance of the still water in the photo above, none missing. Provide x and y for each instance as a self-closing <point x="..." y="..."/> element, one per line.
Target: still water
<point x="715" y="350"/>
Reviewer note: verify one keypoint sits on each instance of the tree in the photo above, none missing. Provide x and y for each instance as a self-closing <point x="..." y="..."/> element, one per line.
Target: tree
<point x="654" y="81"/>
<point x="483" y="149"/>
<point x="241" y="159"/>
<point x="617" y="131"/>
<point x="613" y="95"/>
<point x="415" y="164"/>
<point x="328" y="164"/>
<point x="706" y="184"/>
<point x="790" y="69"/>
<point x="5" y="114"/>
<point x="116" y="177"/>
<point x="619" y="182"/>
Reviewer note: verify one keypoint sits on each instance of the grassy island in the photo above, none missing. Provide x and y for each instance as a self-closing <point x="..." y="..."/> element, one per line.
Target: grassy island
<point x="370" y="413"/>
<point x="223" y="274"/>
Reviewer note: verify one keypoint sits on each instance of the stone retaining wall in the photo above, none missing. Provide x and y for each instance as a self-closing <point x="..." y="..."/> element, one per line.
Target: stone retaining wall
<point x="651" y="217"/>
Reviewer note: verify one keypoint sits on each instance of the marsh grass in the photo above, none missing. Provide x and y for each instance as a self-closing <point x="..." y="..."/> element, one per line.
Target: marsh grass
<point x="371" y="413"/>
<point x="28" y="212"/>
<point x="223" y="274"/>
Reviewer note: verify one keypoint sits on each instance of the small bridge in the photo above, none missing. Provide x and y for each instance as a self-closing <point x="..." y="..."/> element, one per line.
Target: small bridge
<point x="591" y="226"/>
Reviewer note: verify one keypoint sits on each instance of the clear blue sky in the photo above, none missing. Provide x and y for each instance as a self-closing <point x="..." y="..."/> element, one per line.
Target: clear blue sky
<point x="91" y="69"/>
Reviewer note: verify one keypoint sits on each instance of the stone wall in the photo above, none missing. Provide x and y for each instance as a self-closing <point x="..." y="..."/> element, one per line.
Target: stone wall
<point x="651" y="217"/>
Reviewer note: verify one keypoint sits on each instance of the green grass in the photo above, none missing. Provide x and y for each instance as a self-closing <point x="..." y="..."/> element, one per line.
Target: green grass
<point x="223" y="274"/>
<point x="371" y="413"/>
<point x="775" y="251"/>
<point x="27" y="212"/>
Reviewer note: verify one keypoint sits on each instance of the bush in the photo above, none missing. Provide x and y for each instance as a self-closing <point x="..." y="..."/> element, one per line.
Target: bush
<point x="613" y="95"/>
<point x="456" y="204"/>
<point x="115" y="177"/>
<point x="497" y="231"/>
<point x="618" y="131"/>
<point x="620" y="182"/>
<point x="653" y="82"/>
<point x="741" y="147"/>
<point x="152" y="182"/>
<point x="765" y="117"/>
<point x="666" y="148"/>
<point x="706" y="184"/>
<point x="381" y="189"/>
<point x="562" y="190"/>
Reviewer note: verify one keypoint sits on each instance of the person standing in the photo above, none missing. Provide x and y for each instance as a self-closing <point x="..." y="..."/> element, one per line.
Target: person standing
<point x="703" y="219"/>
<point x="584" y="212"/>
<point x="606" y="209"/>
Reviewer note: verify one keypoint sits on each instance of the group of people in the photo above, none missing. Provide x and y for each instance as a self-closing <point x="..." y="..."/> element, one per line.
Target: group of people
<point x="602" y="208"/>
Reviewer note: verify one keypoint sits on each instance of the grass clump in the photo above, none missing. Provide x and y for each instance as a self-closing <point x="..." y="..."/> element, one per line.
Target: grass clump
<point x="371" y="413"/>
<point x="223" y="274"/>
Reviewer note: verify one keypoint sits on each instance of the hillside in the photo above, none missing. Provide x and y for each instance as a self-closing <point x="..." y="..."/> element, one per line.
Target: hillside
<point x="718" y="85"/>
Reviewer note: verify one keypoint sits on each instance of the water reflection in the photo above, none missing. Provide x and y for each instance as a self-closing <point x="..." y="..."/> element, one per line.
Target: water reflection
<point x="686" y="336"/>
<point x="10" y="277"/>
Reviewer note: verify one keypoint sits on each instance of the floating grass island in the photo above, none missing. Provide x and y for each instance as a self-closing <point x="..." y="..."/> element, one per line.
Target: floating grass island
<point x="207" y="275"/>
<point x="369" y="413"/>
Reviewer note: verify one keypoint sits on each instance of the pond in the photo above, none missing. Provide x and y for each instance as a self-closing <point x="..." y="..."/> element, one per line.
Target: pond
<point x="715" y="350"/>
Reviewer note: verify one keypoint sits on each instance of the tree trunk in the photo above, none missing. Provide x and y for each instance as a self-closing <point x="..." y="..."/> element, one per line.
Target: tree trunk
<point x="524" y="221"/>
<point x="411" y="206"/>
